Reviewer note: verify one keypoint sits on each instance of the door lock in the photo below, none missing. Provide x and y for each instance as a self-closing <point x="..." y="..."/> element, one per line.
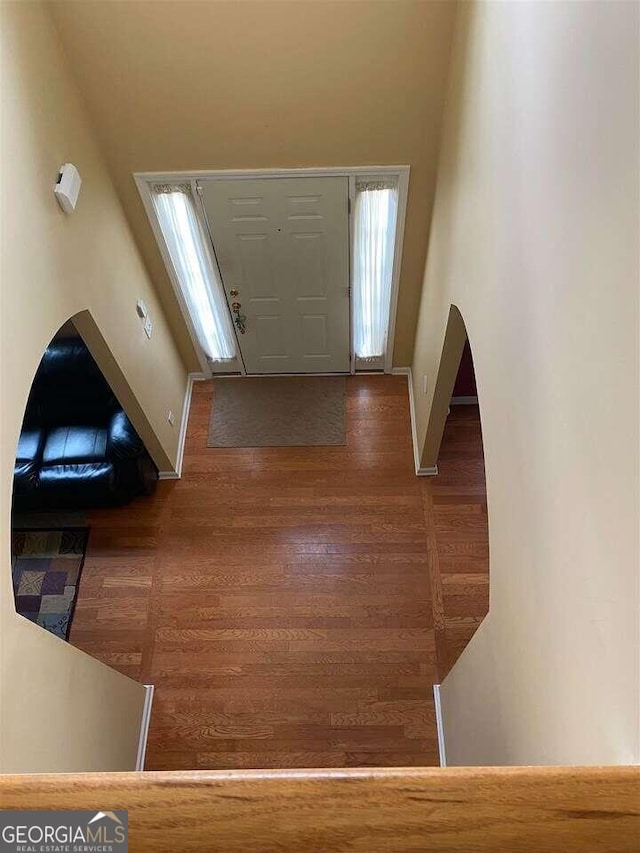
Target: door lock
<point x="233" y="292"/>
<point x="239" y="319"/>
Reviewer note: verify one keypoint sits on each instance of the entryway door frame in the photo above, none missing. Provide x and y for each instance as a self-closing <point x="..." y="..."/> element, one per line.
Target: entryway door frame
<point x="145" y="180"/>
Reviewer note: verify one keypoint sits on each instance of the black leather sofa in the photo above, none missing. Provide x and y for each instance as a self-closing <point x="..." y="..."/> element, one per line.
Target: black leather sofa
<point x="77" y="448"/>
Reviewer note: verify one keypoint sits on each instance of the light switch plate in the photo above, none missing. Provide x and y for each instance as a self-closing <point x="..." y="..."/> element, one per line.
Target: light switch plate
<point x="148" y="327"/>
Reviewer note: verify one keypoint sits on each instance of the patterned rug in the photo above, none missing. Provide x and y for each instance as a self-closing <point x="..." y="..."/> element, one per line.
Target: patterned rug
<point x="46" y="567"/>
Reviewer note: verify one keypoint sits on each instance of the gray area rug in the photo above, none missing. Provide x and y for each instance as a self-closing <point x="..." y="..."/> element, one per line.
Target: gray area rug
<point x="278" y="411"/>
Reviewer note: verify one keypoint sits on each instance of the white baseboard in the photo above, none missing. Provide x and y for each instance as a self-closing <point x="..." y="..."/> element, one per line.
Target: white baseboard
<point x="144" y="726"/>
<point x="420" y="472"/>
<point x="432" y="471"/>
<point x="184" y="422"/>
<point x="439" y="725"/>
<point x="464" y="401"/>
<point x="196" y="377"/>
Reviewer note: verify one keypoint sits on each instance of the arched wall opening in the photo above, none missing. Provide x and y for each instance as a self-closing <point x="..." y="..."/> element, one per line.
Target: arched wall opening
<point x="81" y="448"/>
<point x="53" y="701"/>
<point x="84" y="325"/>
<point x="456" y="500"/>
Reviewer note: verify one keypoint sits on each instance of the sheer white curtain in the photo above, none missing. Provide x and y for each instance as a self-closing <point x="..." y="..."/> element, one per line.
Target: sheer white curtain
<point x="190" y="251"/>
<point x="374" y="242"/>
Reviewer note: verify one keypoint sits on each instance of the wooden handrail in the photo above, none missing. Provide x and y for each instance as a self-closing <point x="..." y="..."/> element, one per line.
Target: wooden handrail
<point x="507" y="809"/>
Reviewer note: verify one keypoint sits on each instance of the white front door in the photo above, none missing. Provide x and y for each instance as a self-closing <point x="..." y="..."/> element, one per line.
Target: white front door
<point x="282" y="245"/>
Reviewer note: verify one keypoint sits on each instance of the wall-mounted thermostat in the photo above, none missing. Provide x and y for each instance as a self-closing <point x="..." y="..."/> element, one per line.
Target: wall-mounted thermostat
<point x="68" y="187"/>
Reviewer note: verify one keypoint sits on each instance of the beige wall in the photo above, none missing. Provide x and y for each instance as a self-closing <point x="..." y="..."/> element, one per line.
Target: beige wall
<point x="62" y="710"/>
<point x="535" y="239"/>
<point x="221" y="85"/>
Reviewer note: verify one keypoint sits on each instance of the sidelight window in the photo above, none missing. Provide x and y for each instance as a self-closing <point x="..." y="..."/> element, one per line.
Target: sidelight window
<point x="189" y="248"/>
<point x="374" y="241"/>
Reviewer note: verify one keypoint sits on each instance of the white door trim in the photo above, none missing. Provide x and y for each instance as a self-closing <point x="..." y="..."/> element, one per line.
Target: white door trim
<point x="144" y="188"/>
<point x="204" y="221"/>
<point x="352" y="203"/>
<point x="143" y="181"/>
<point x="442" y="751"/>
<point x="403" y="193"/>
<point x="239" y="174"/>
<point x="144" y="725"/>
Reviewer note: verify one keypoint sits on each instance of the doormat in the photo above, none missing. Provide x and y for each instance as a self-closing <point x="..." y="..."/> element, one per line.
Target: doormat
<point x="278" y="411"/>
<point x="46" y="567"/>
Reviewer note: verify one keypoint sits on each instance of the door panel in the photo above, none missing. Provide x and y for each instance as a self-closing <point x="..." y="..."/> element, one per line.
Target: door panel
<point x="271" y="336"/>
<point x="283" y="245"/>
<point x="256" y="273"/>
<point x="308" y="260"/>
<point x="313" y="331"/>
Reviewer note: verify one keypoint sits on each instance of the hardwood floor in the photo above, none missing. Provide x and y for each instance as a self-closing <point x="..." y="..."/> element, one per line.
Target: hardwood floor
<point x="455" y="505"/>
<point x="280" y="598"/>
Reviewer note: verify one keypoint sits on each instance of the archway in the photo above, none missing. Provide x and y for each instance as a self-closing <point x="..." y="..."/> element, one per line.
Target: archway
<point x="456" y="500"/>
<point x="77" y="451"/>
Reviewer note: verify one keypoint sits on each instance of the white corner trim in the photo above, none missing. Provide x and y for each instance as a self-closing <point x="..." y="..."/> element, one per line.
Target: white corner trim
<point x="432" y="471"/>
<point x="439" y="725"/>
<point x="401" y="215"/>
<point x="464" y="401"/>
<point x="184" y="422"/>
<point x="420" y="472"/>
<point x="144" y="725"/>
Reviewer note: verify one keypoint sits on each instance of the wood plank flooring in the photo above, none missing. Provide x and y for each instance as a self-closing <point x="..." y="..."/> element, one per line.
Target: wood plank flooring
<point x="280" y="598"/>
<point x="455" y="505"/>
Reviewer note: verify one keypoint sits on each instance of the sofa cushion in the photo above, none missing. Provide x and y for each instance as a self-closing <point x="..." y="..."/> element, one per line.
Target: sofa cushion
<point x="69" y="388"/>
<point x="82" y="484"/>
<point x="75" y="444"/>
<point x="30" y="445"/>
<point x="123" y="441"/>
<point x="25" y="478"/>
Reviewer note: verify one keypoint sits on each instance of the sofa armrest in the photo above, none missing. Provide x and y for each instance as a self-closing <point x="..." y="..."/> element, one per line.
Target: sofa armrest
<point x="123" y="442"/>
